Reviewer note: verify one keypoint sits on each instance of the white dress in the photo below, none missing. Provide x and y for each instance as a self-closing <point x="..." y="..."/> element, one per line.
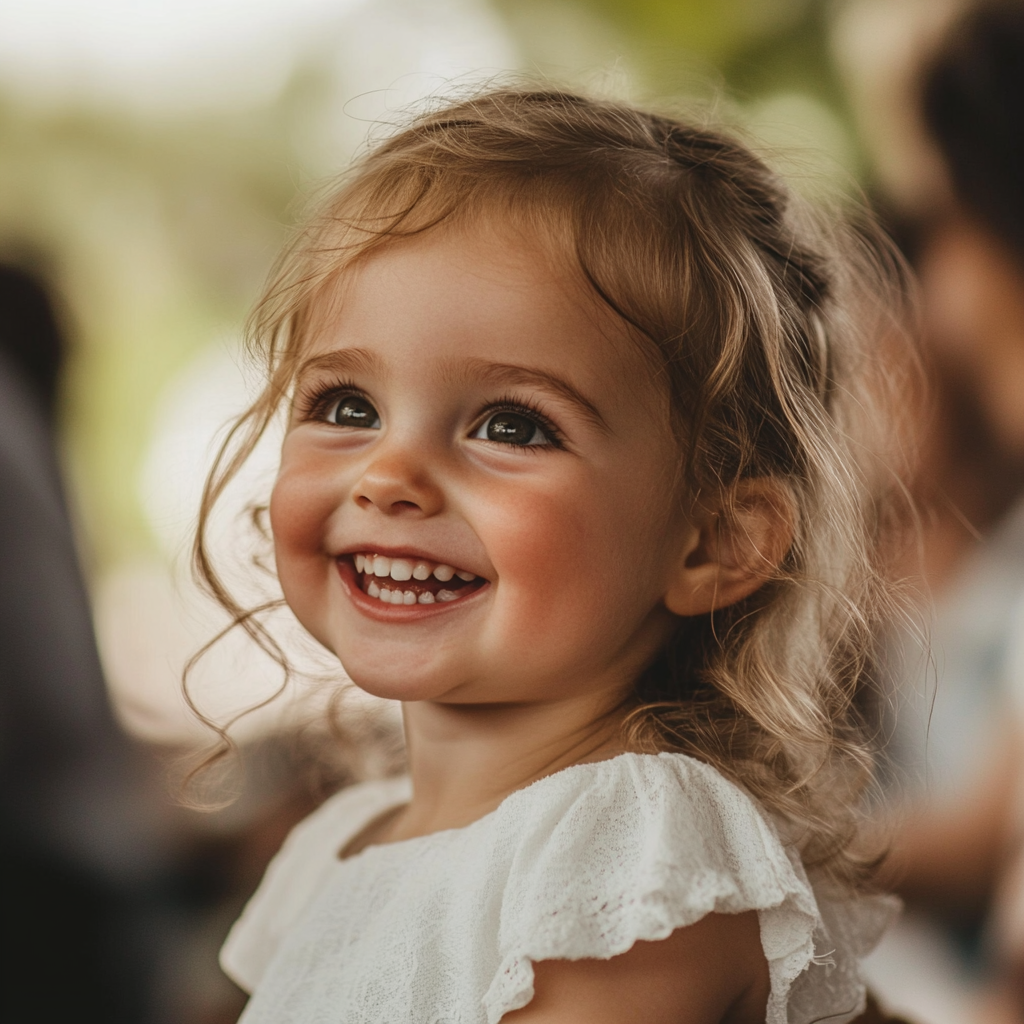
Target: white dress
<point x="445" y="928"/>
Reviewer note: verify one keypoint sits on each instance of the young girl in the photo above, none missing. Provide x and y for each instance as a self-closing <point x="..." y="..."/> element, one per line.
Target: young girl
<point x="576" y="470"/>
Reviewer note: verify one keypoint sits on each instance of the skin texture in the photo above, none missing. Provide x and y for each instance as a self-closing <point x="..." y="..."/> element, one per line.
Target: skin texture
<point x="585" y="550"/>
<point x="679" y="980"/>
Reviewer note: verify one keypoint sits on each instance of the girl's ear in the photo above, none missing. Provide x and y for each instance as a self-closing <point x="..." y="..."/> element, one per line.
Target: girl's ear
<point x="733" y="548"/>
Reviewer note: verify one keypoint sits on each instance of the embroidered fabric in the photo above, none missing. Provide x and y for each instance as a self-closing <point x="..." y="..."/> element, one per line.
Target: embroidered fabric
<point x="581" y="864"/>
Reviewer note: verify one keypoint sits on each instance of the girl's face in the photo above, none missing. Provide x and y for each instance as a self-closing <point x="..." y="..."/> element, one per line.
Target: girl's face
<point x="476" y="495"/>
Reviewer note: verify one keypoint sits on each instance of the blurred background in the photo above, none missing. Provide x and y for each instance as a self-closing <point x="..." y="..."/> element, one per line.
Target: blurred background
<point x="153" y="157"/>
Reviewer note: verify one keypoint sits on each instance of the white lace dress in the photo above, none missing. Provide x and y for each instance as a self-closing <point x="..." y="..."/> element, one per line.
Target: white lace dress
<point x="445" y="928"/>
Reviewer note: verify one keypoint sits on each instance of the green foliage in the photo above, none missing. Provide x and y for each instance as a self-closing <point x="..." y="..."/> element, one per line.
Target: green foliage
<point x="716" y="29"/>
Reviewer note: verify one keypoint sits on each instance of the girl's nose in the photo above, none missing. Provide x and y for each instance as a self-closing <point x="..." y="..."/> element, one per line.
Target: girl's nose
<point x="398" y="484"/>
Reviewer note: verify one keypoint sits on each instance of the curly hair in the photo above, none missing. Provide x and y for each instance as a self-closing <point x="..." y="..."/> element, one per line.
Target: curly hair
<point x="778" y="334"/>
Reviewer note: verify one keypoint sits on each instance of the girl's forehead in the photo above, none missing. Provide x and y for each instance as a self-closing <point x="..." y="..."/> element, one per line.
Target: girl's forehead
<point x="477" y="291"/>
<point x="482" y="257"/>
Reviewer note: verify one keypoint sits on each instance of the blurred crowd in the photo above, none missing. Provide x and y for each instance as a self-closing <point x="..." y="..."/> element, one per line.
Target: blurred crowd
<point x="954" y="741"/>
<point x="120" y="895"/>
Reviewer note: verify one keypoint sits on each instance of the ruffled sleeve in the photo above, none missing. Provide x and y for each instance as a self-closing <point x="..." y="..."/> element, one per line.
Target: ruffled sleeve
<point x="638" y="846"/>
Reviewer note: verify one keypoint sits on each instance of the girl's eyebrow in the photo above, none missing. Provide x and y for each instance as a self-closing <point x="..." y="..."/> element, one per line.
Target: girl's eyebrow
<point x="361" y="360"/>
<point x="513" y="375"/>
<point x="345" y="360"/>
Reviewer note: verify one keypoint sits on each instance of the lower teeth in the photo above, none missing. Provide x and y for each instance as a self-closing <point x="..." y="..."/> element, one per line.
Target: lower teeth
<point x="407" y="596"/>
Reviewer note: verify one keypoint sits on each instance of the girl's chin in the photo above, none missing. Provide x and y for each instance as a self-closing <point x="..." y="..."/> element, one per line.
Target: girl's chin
<point x="402" y="679"/>
<point x="404" y="690"/>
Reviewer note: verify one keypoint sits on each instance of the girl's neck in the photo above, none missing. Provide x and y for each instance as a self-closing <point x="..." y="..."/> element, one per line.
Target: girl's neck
<point x="465" y="759"/>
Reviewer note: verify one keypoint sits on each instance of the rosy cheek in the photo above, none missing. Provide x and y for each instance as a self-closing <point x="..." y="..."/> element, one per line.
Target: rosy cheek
<point x="294" y="517"/>
<point x="546" y="549"/>
<point x="570" y="562"/>
<point x="300" y="507"/>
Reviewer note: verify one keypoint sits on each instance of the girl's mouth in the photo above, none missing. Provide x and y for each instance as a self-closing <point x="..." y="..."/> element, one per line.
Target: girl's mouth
<point x="410" y="581"/>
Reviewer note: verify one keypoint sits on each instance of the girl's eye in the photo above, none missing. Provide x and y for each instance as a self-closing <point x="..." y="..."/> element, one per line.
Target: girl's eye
<point x="353" y="411"/>
<point x="512" y="428"/>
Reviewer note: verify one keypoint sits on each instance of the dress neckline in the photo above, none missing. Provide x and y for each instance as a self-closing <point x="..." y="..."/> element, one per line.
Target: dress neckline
<point x="401" y="798"/>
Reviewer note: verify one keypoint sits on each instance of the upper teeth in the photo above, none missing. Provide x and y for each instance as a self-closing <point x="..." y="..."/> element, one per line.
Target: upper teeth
<point x="402" y="569"/>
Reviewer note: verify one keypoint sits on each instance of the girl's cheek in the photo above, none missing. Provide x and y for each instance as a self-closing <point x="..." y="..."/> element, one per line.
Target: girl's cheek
<point x="301" y="505"/>
<point x="543" y="545"/>
<point x="294" y="514"/>
<point x="299" y="512"/>
<point x="571" y="557"/>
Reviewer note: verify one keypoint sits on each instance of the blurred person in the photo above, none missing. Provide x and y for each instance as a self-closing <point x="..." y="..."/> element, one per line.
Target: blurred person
<point x="81" y="839"/>
<point x="963" y="736"/>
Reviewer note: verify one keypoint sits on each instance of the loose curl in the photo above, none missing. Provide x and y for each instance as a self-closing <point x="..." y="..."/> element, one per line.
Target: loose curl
<point x="768" y="327"/>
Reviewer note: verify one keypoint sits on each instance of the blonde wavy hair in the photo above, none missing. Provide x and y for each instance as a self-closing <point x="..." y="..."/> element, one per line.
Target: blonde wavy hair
<point x="778" y="334"/>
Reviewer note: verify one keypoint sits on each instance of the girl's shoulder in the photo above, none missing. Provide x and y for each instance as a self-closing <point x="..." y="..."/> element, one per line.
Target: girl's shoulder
<point x="652" y="797"/>
<point x="654" y="819"/>
<point x="632" y="848"/>
<point x="298" y="871"/>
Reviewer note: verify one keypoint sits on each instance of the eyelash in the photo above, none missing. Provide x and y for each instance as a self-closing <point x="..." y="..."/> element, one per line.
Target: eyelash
<point x="315" y="404"/>
<point x="509" y="404"/>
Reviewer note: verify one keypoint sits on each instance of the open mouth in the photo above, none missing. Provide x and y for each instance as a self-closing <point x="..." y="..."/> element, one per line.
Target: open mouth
<point x="409" y="581"/>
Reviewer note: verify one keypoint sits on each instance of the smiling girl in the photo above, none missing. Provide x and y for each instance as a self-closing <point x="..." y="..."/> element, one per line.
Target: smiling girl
<point x="576" y="470"/>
